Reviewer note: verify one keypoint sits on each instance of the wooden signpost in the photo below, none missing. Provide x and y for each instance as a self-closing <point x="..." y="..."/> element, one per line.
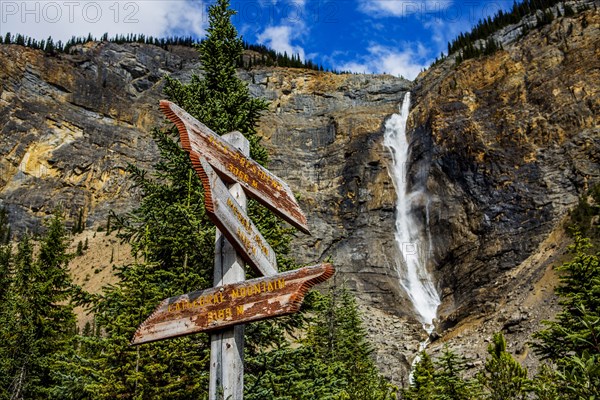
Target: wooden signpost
<point x="223" y="309"/>
<point x="225" y="212"/>
<point x="238" y="303"/>
<point x="200" y="141"/>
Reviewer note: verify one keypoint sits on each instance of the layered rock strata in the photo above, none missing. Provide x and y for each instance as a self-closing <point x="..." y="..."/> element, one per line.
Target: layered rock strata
<point x="508" y="143"/>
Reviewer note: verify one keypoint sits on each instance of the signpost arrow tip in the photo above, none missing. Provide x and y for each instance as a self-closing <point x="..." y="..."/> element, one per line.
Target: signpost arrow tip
<point x="200" y="141"/>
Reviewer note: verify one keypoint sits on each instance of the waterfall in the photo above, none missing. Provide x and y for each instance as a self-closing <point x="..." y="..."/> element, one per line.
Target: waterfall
<point x="414" y="246"/>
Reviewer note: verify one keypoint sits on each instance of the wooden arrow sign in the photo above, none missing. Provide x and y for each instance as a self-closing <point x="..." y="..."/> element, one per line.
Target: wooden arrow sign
<point x="228" y="305"/>
<point x="200" y="141"/>
<point x="225" y="212"/>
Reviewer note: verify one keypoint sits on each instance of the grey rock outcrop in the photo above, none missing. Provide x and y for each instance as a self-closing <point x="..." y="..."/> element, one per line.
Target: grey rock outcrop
<point x="71" y="124"/>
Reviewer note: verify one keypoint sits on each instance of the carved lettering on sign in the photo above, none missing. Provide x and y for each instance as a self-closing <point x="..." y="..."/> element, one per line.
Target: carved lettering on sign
<point x="237" y="303"/>
<point x="201" y="142"/>
<point x="232" y="221"/>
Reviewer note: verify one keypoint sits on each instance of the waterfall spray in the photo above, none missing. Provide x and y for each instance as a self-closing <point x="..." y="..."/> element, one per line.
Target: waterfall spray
<point x="413" y="244"/>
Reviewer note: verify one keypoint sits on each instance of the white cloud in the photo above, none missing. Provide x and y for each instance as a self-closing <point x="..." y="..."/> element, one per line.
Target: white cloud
<point x="442" y="32"/>
<point x="401" y="8"/>
<point x="63" y="19"/>
<point x="279" y="38"/>
<point x="407" y="62"/>
<point x="287" y="36"/>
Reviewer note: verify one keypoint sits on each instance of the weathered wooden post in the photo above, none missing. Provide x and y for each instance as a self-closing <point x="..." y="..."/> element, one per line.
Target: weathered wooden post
<point x="227" y="345"/>
<point x="223" y="309"/>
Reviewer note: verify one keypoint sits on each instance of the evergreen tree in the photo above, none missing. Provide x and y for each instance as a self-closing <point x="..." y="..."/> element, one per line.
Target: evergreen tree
<point x="291" y="373"/>
<point x="173" y="369"/>
<point x="220" y="99"/>
<point x="79" y="225"/>
<point x="442" y="379"/>
<point x="20" y="40"/>
<point x="5" y="272"/>
<point x="41" y="320"/>
<point x="503" y="377"/>
<point x="572" y="341"/>
<point x="544" y="384"/>
<point x="5" y="234"/>
<point x="49" y="48"/>
<point x="333" y="361"/>
<point x="579" y="376"/>
<point x="338" y="337"/>
<point x="449" y="382"/>
<point x="6" y="306"/>
<point x="582" y="217"/>
<point x="18" y="332"/>
<point x="172" y="241"/>
<point x="422" y="386"/>
<point x="575" y="329"/>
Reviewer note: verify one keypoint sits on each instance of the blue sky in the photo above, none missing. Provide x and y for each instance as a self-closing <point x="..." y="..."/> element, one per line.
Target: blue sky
<point x="400" y="37"/>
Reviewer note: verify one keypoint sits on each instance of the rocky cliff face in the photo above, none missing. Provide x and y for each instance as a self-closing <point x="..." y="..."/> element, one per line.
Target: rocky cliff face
<point x="325" y="135"/>
<point x="503" y="145"/>
<point x="71" y="124"/>
<point x="324" y="132"/>
<point x="508" y="143"/>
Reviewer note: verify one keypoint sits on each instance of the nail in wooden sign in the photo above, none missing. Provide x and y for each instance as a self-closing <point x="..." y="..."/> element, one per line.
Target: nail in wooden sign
<point x="238" y="303"/>
<point x="229" y="162"/>
<point x="225" y="212"/>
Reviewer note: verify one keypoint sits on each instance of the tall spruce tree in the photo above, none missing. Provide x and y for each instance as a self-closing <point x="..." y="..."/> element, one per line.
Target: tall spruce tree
<point x="39" y="321"/>
<point x="18" y="332"/>
<point x="172" y="241"/>
<point x="339" y="340"/>
<point x="442" y="379"/>
<point x="219" y="98"/>
<point x="5" y="256"/>
<point x="449" y="381"/>
<point x="5" y="234"/>
<point x="503" y="377"/>
<point x="422" y="386"/>
<point x="574" y="330"/>
<point x="332" y="361"/>
<point x="6" y="306"/>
